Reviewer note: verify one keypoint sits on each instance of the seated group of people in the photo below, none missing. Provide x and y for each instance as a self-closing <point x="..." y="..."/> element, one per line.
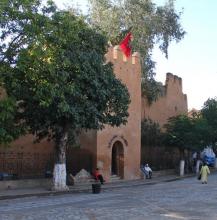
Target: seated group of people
<point x="145" y="169"/>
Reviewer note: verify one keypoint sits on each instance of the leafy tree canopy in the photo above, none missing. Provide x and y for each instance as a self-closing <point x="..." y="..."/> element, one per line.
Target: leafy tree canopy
<point x="209" y="112"/>
<point x="188" y="132"/>
<point x="54" y="71"/>
<point x="150" y="25"/>
<point x="10" y="129"/>
<point x="179" y="132"/>
<point x="151" y="134"/>
<point x="201" y="133"/>
<point x="53" y="66"/>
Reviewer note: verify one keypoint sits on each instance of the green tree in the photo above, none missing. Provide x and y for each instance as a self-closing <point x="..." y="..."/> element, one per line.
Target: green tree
<point x="151" y="134"/>
<point x="209" y="112"/>
<point x="179" y="133"/>
<point x="185" y="132"/>
<point x="10" y="127"/>
<point x="55" y="69"/>
<point x="188" y="133"/>
<point x="15" y="26"/>
<point x="150" y="25"/>
<point x="201" y="132"/>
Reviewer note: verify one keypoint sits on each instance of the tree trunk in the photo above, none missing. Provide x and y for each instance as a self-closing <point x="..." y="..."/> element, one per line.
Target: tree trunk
<point x="198" y="166"/>
<point x="59" y="173"/>
<point x="182" y="163"/>
<point x="182" y="167"/>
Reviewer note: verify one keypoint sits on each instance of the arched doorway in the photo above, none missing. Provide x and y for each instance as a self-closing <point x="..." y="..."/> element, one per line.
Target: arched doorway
<point x="117" y="162"/>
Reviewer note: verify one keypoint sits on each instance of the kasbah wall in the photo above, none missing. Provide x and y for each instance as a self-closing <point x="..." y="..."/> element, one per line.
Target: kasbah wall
<point x="116" y="150"/>
<point x="172" y="103"/>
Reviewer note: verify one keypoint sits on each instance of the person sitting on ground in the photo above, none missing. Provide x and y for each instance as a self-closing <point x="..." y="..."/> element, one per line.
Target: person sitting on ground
<point x="147" y="171"/>
<point x="98" y="176"/>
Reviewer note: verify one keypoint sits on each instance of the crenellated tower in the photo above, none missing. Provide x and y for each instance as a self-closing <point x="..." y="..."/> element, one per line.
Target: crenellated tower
<point x="117" y="149"/>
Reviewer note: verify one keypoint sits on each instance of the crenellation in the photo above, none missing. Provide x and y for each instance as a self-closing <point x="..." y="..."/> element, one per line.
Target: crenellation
<point x="115" y="52"/>
<point x="136" y="58"/>
<point x="118" y="55"/>
<point x="172" y="103"/>
<point x="173" y="81"/>
<point x="177" y="78"/>
<point x="169" y="76"/>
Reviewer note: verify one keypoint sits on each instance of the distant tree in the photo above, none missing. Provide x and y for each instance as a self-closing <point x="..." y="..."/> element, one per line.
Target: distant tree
<point x="151" y="134"/>
<point x="201" y="132"/>
<point x="150" y="25"/>
<point x="191" y="133"/>
<point x="209" y="112"/>
<point x="179" y="133"/>
<point x="188" y="133"/>
<point x="54" y="70"/>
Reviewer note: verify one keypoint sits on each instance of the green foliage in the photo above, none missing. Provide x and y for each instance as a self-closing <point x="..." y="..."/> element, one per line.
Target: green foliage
<point x="202" y="132"/>
<point x="150" y="25"/>
<point x="209" y="112"/>
<point x="151" y="134"/>
<point x="179" y="132"/>
<point x="21" y="22"/>
<point x="194" y="132"/>
<point x="152" y="90"/>
<point x="10" y="128"/>
<point x="54" y="67"/>
<point x="188" y="132"/>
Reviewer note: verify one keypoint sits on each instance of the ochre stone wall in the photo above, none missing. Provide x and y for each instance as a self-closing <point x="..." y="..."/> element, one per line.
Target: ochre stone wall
<point x="172" y="103"/>
<point x="32" y="159"/>
<point x="26" y="158"/>
<point x="88" y="141"/>
<point x="129" y="135"/>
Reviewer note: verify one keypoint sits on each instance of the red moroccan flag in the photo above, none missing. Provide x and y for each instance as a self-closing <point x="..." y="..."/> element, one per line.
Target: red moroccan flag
<point x="125" y="45"/>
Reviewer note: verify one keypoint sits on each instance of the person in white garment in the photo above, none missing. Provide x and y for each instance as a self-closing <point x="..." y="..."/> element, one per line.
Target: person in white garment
<point x="147" y="171"/>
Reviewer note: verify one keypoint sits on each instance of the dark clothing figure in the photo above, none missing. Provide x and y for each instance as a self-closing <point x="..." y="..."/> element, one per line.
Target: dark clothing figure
<point x="98" y="176"/>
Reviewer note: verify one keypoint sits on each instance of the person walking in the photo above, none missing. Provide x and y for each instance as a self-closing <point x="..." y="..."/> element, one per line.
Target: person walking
<point x="204" y="173"/>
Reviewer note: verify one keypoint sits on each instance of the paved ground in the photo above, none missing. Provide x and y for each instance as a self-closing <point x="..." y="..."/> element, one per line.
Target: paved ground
<point x="181" y="199"/>
<point x="25" y="191"/>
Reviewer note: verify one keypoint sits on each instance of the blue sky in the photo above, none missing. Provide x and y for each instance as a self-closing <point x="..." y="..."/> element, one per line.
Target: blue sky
<point x="193" y="59"/>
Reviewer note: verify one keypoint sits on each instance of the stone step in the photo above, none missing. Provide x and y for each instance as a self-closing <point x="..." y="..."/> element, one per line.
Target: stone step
<point x="114" y="178"/>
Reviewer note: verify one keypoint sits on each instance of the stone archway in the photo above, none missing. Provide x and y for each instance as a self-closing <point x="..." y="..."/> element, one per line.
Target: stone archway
<point x="117" y="162"/>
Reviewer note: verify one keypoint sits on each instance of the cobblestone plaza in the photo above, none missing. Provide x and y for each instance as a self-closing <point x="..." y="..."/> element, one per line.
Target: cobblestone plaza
<point x="183" y="199"/>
